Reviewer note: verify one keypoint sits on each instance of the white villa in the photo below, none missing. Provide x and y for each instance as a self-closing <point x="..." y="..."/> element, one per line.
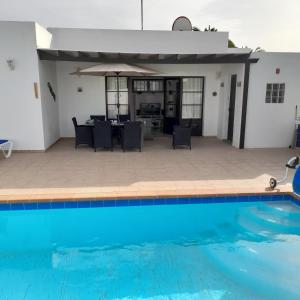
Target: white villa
<point x="248" y="99"/>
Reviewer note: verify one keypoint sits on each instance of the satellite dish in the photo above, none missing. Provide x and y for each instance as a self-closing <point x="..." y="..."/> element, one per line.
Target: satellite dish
<point x="182" y="24"/>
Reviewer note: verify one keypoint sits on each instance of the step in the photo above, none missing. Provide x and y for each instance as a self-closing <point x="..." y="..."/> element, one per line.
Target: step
<point x="257" y="222"/>
<point x="254" y="265"/>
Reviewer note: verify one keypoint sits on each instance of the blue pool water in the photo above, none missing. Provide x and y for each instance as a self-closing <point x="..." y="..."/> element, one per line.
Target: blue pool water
<point x="216" y="251"/>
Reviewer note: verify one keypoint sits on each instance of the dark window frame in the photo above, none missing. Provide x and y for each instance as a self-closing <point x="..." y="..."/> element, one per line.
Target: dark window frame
<point x="109" y="91"/>
<point x="147" y="82"/>
<point x="275" y="93"/>
<point x="202" y="92"/>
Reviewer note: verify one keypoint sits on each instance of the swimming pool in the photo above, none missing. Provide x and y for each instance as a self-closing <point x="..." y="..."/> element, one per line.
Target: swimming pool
<point x="207" y="248"/>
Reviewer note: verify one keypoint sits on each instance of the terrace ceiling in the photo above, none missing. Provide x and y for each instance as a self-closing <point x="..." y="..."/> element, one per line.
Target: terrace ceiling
<point x="109" y="57"/>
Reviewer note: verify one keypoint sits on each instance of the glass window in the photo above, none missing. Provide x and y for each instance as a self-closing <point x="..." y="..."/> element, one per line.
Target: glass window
<point x="112" y="111"/>
<point x="192" y="98"/>
<point x="156" y="85"/>
<point x="191" y="112"/>
<point x="187" y="112"/>
<point x="123" y="109"/>
<point x="112" y="98"/>
<point x="140" y="85"/>
<point x="275" y="93"/>
<point x="123" y="98"/>
<point x="123" y="86"/>
<point x="116" y="106"/>
<point x="112" y="84"/>
<point x="192" y="84"/>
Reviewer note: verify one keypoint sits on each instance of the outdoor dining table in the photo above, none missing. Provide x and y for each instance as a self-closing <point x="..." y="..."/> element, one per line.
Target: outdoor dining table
<point x="117" y="126"/>
<point x="91" y="123"/>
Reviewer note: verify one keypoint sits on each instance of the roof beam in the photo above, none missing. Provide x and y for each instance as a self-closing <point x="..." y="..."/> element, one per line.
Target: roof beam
<point x="92" y="54"/>
<point x="206" y="56"/>
<point x="161" y="56"/>
<point x="84" y="56"/>
<point x="70" y="53"/>
<point x="131" y="55"/>
<point x="187" y="58"/>
<point x="52" y="52"/>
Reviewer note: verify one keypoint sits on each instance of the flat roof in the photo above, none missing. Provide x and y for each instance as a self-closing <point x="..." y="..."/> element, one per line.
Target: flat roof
<point x="138" y="41"/>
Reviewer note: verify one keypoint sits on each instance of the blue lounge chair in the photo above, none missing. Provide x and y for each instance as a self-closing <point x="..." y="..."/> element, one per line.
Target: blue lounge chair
<point x="296" y="181"/>
<point x="6" y="147"/>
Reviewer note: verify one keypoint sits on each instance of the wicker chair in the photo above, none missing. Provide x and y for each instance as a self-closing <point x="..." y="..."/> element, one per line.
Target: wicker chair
<point x="83" y="134"/>
<point x="182" y="137"/>
<point x="131" y="136"/>
<point x="102" y="135"/>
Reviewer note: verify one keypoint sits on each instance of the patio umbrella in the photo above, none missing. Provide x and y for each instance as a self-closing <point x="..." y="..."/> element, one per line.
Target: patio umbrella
<point x="114" y="69"/>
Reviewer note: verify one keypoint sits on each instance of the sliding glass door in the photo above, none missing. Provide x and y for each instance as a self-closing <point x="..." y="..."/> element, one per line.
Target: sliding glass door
<point x="113" y="106"/>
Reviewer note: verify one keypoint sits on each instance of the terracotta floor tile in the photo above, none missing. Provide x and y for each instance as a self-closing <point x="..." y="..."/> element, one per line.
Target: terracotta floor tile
<point x="211" y="167"/>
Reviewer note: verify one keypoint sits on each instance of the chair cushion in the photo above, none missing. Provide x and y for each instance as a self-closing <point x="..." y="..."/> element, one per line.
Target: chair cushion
<point x="3" y="141"/>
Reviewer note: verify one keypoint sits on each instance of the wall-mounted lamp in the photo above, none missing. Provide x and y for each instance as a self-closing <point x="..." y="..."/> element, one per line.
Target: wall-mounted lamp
<point x="239" y="84"/>
<point x="11" y="64"/>
<point x="222" y="84"/>
<point x="36" y="90"/>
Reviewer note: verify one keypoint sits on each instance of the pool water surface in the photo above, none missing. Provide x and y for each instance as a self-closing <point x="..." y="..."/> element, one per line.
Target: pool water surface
<point x="215" y="251"/>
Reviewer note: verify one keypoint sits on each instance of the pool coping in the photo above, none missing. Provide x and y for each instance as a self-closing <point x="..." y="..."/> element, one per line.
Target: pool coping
<point x="146" y="201"/>
<point x="112" y="193"/>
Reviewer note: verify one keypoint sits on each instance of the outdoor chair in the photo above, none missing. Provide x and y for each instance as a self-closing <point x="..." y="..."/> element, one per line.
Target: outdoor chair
<point x="83" y="134"/>
<point x="6" y="147"/>
<point x="97" y="117"/>
<point x="102" y="135"/>
<point x="124" y="118"/>
<point x="131" y="136"/>
<point x="182" y="137"/>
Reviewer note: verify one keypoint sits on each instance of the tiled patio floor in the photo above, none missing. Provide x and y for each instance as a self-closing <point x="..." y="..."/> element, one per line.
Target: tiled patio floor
<point x="211" y="167"/>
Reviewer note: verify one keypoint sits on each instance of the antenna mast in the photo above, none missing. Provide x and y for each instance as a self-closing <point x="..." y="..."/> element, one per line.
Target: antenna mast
<point x="142" y="15"/>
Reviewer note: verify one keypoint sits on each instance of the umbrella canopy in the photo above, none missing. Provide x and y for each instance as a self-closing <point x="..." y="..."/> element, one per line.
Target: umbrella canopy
<point x="113" y="70"/>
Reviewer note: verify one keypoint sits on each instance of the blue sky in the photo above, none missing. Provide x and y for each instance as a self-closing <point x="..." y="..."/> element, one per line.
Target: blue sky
<point x="271" y="24"/>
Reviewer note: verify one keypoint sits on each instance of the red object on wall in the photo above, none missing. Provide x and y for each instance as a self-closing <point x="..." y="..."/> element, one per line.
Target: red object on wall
<point x="277" y="70"/>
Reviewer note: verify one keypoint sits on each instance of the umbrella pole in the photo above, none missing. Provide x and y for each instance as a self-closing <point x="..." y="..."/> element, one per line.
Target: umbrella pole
<point x="118" y="97"/>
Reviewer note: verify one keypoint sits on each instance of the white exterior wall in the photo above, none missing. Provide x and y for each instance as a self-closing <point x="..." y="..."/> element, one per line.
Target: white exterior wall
<point x="92" y="98"/>
<point x="137" y="41"/>
<point x="20" y="111"/>
<point x="43" y="37"/>
<point x="47" y="72"/>
<point x="227" y="71"/>
<point x="73" y="103"/>
<point x="272" y="125"/>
